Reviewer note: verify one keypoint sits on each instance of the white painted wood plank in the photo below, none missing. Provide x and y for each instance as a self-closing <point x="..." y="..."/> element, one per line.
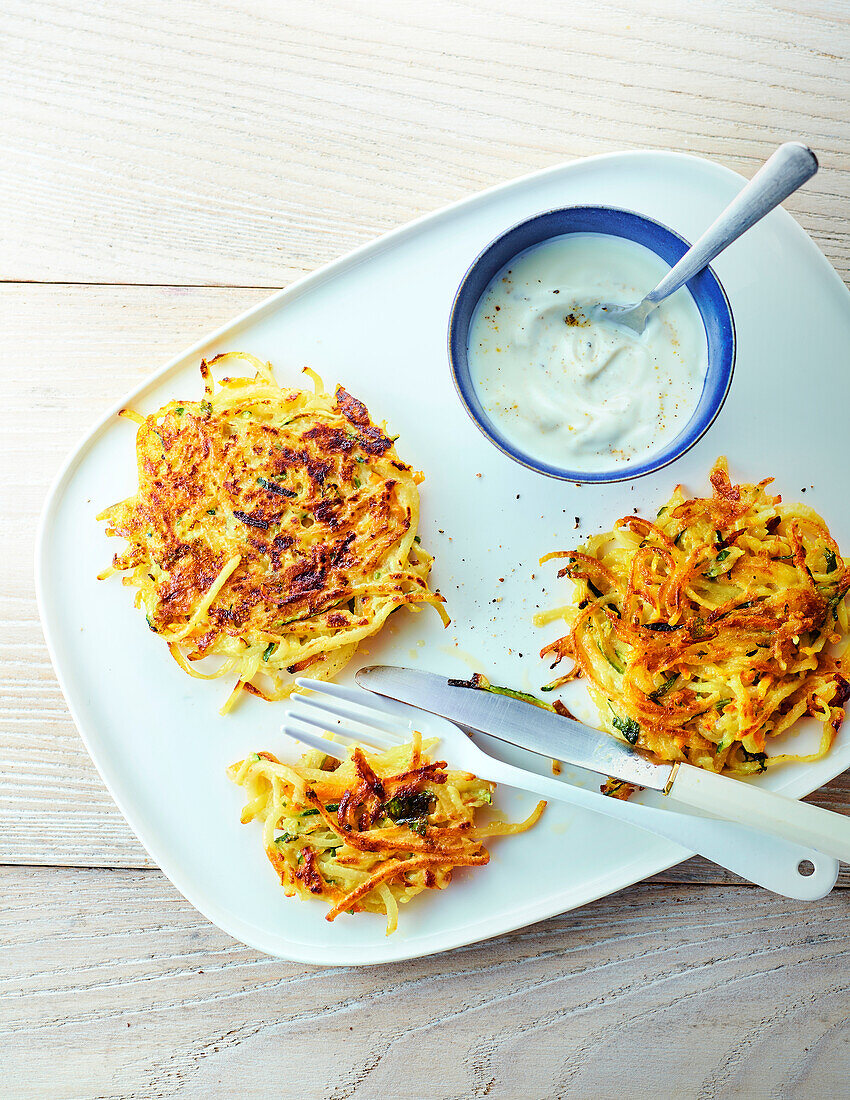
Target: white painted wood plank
<point x="113" y="986"/>
<point x="248" y="143"/>
<point x="70" y="354"/>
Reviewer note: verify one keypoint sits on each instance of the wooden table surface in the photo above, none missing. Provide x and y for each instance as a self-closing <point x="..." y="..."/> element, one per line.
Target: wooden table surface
<point x="163" y="166"/>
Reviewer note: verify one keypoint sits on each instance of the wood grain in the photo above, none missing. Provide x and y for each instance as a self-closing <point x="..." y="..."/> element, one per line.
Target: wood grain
<point x="71" y="353"/>
<point x="159" y="162"/>
<point x="113" y="977"/>
<point x="247" y="143"/>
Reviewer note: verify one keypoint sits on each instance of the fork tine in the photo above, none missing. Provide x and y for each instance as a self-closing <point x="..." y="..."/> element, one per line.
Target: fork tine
<point x="368" y="736"/>
<point x="356" y="696"/>
<point x="359" y="713"/>
<point x="314" y="740"/>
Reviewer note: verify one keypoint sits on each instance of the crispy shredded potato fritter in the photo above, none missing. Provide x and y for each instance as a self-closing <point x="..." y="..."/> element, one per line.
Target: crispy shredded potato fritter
<point x="372" y="832"/>
<point x="273" y="529"/>
<point x="708" y="632"/>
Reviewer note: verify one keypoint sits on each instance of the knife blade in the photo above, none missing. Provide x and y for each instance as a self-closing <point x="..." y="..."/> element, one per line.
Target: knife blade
<point x="528" y="727"/>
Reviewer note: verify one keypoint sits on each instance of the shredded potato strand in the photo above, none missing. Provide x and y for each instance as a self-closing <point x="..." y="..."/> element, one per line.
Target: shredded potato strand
<point x="708" y="632"/>
<point x="372" y="832"/>
<point x="273" y="530"/>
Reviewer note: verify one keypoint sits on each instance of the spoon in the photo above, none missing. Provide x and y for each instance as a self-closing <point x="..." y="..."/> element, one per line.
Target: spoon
<point x="790" y="166"/>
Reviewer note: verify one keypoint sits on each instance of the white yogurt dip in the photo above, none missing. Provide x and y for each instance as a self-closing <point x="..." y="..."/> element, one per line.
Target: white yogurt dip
<point x="581" y="395"/>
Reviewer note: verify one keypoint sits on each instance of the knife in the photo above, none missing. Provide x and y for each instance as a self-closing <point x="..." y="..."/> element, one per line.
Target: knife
<point x="560" y="738"/>
<point x="527" y="727"/>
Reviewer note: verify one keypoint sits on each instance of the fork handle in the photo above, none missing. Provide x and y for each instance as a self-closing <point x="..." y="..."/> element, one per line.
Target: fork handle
<point x="799" y="822"/>
<point x="756" y="860"/>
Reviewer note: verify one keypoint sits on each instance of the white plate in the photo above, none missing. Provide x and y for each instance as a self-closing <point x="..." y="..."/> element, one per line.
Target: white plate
<point x="376" y="321"/>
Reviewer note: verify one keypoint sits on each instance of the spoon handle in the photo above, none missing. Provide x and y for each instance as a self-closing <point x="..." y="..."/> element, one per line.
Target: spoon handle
<point x="789" y="168"/>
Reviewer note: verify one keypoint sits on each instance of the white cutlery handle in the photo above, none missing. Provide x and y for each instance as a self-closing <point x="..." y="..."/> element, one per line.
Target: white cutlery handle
<point x="799" y="822"/>
<point x="764" y="860"/>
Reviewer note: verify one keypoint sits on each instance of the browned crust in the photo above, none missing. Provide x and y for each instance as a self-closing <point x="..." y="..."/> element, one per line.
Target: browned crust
<point x="307" y="530"/>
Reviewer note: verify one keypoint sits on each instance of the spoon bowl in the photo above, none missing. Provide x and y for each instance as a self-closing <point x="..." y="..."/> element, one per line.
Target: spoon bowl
<point x="633" y="317"/>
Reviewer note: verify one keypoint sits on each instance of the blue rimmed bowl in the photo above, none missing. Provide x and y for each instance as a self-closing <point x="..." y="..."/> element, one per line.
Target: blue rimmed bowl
<point x="705" y="289"/>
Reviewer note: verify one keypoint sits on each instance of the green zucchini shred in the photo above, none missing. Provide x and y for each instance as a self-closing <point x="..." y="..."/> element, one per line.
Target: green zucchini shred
<point x="759" y="758"/>
<point x="523" y="696"/>
<point x="629" y="728"/>
<point x="665" y="687"/>
<point x="611" y="661"/>
<point x="714" y="570"/>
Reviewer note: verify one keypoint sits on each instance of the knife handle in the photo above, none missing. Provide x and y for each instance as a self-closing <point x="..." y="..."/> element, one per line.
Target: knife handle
<point x="751" y="854"/>
<point x="799" y="822"/>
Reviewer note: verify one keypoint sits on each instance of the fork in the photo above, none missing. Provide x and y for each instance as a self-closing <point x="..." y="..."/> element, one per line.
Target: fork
<point x="359" y="717"/>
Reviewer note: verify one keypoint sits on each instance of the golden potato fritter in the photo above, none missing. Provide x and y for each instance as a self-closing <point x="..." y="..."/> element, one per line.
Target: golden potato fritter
<point x="370" y="832"/>
<point x="273" y="528"/>
<point x="706" y="634"/>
